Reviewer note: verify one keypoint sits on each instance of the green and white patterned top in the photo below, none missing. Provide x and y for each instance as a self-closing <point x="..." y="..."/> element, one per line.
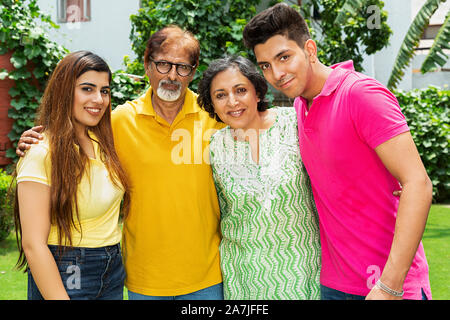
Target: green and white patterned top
<point x="270" y="246"/>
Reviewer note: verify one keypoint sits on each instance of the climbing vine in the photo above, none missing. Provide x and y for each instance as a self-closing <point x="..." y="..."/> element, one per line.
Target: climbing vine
<point x="23" y="33"/>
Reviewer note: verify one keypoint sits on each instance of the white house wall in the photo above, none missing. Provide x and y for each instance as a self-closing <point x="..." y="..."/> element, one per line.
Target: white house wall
<point x="400" y="15"/>
<point x="107" y="34"/>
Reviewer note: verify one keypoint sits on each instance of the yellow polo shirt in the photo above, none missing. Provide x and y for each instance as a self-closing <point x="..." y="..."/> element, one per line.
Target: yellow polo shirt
<point x="171" y="236"/>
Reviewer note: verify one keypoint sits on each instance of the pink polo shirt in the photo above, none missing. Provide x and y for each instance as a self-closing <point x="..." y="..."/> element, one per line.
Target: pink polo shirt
<point x="351" y="116"/>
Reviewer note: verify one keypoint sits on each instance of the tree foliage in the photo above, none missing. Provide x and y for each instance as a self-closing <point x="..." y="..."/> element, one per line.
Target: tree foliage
<point x="346" y="29"/>
<point x="217" y="24"/>
<point x="412" y="39"/>
<point x="437" y="56"/>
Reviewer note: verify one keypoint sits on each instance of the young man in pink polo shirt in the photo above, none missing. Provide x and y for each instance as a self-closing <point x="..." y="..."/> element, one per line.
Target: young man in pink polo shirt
<point x="356" y="147"/>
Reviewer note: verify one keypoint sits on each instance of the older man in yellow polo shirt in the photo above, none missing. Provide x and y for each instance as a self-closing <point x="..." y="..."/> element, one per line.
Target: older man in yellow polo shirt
<point x="171" y="236"/>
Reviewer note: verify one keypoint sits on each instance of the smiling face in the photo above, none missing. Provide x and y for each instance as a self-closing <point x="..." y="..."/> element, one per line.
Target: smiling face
<point x="285" y="65"/>
<point x="91" y="98"/>
<point x="235" y="99"/>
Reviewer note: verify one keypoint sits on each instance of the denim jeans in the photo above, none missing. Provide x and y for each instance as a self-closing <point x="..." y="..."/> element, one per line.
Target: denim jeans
<point x="327" y="293"/>
<point x="332" y="294"/>
<point x="87" y="273"/>
<point x="211" y="293"/>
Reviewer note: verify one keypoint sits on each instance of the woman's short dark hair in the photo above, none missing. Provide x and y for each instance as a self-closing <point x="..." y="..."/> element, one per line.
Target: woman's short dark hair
<point x="281" y="19"/>
<point x="246" y="67"/>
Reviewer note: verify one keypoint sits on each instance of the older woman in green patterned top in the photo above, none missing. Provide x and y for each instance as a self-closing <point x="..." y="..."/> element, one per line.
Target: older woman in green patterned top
<point x="270" y="245"/>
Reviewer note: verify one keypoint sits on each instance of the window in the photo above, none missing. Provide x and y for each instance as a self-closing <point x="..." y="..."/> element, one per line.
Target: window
<point x="69" y="11"/>
<point x="431" y="31"/>
<point x="427" y="38"/>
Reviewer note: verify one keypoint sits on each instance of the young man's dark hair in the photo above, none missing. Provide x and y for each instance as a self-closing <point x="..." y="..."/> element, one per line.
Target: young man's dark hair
<point x="280" y="19"/>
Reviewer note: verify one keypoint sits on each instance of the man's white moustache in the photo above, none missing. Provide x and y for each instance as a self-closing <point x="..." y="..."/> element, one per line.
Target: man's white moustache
<point x="170" y="82"/>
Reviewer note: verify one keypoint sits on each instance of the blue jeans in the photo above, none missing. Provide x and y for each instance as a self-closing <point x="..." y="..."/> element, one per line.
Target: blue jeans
<point x="332" y="294"/>
<point x="211" y="293"/>
<point x="87" y="273"/>
<point x="327" y="293"/>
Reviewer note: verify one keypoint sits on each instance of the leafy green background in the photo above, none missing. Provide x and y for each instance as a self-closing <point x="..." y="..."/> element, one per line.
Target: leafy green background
<point x="427" y="113"/>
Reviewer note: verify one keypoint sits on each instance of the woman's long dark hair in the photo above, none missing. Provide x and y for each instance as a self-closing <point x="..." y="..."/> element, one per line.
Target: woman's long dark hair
<point x="68" y="160"/>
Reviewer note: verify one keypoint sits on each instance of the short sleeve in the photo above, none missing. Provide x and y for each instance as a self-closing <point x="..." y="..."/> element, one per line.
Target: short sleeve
<point x="375" y="112"/>
<point x="35" y="165"/>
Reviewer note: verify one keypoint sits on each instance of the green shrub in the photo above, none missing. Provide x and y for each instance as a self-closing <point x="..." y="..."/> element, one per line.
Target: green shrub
<point x="427" y="113"/>
<point x="125" y="87"/>
<point x="6" y="208"/>
<point x="346" y="29"/>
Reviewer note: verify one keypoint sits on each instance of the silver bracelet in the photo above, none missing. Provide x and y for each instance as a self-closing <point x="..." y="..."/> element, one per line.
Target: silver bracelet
<point x="386" y="289"/>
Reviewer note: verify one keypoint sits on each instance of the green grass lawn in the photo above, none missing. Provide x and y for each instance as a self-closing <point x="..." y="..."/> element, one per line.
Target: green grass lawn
<point x="13" y="284"/>
<point x="436" y="240"/>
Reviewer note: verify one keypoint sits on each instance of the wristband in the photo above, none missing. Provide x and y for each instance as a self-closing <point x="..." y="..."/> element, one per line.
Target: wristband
<point x="386" y="289"/>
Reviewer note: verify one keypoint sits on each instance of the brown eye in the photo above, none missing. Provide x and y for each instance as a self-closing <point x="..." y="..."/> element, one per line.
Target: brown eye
<point x="241" y="90"/>
<point x="163" y="66"/>
<point x="264" y="66"/>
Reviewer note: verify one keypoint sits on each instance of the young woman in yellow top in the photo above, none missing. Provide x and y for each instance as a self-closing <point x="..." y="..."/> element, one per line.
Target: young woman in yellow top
<point x="70" y="187"/>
